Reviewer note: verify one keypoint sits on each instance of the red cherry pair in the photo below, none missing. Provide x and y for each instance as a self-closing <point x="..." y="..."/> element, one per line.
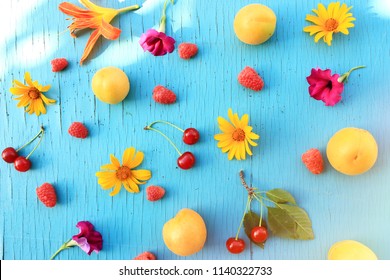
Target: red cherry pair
<point x="236" y="245"/>
<point x="186" y="160"/>
<point x="21" y="163"/>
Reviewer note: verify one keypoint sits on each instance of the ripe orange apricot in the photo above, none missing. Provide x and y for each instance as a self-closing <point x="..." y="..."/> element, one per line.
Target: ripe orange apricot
<point x="110" y="85"/>
<point x="254" y="24"/>
<point x="186" y="233"/>
<point x="352" y="151"/>
<point x="350" y="250"/>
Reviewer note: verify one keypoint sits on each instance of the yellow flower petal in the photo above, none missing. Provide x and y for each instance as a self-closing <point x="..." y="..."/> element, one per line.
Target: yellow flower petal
<point x="47" y="100"/>
<point x="226" y="149"/>
<point x="141" y="174"/>
<point x="130" y="186"/>
<point x="21" y="85"/>
<point x="222" y="136"/>
<point x="225" y="126"/>
<point x="45" y="88"/>
<point x="232" y="152"/>
<point x="315" y="20"/>
<point x="116" y="189"/>
<point x="115" y="161"/>
<point x="109" y="166"/>
<point x="225" y="143"/>
<point x="24" y="100"/>
<point x="27" y="78"/>
<point x="244" y="120"/>
<point x="18" y="90"/>
<point x="247" y="148"/>
<point x="128" y="156"/>
<point x="322" y="12"/>
<point x="319" y="35"/>
<point x="139" y="157"/>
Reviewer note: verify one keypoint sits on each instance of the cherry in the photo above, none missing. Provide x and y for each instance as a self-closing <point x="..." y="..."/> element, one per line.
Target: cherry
<point x="235" y="246"/>
<point x="9" y="155"/>
<point x="259" y="234"/>
<point x="186" y="160"/>
<point x="22" y="164"/>
<point x="190" y="136"/>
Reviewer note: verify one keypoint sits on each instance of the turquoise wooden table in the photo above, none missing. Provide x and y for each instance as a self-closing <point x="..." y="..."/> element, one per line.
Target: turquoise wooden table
<point x="288" y="121"/>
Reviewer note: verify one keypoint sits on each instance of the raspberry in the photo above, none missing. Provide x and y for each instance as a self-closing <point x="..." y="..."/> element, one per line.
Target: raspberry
<point x="163" y="95"/>
<point x="78" y="130"/>
<point x="47" y="195"/>
<point x="147" y="256"/>
<point x="154" y="193"/>
<point x="249" y="78"/>
<point x="313" y="161"/>
<point x="58" y="64"/>
<point x="187" y="50"/>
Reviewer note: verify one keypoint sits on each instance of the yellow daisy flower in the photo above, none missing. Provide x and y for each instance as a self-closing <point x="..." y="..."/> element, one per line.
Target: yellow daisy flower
<point x="329" y="20"/>
<point x="114" y="175"/>
<point x="31" y="95"/>
<point x="236" y="136"/>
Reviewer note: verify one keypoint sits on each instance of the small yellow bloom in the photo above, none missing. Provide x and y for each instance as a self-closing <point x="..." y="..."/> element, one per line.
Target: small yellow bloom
<point x="31" y="95"/>
<point x="114" y="175"/>
<point x="236" y="136"/>
<point x="333" y="19"/>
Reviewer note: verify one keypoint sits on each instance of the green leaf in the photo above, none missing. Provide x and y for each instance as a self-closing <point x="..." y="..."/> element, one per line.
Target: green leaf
<point x="281" y="223"/>
<point x="251" y="220"/>
<point x="304" y="229"/>
<point x="280" y="196"/>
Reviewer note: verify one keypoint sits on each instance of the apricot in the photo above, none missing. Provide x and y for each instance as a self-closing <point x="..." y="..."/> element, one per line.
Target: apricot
<point x="110" y="85"/>
<point x="186" y="233"/>
<point x="352" y="151"/>
<point x="254" y="24"/>
<point x="350" y="250"/>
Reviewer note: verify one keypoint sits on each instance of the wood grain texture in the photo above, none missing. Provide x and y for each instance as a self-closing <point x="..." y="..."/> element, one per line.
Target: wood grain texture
<point x="288" y="120"/>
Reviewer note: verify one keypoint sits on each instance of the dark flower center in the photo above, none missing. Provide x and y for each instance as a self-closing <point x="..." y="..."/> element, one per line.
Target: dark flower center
<point x="34" y="93"/>
<point x="329" y="85"/>
<point x="123" y="173"/>
<point x="331" y="24"/>
<point x="238" y="135"/>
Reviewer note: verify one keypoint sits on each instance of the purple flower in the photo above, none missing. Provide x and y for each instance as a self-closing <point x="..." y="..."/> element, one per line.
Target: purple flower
<point x="88" y="238"/>
<point x="157" y="43"/>
<point x="327" y="87"/>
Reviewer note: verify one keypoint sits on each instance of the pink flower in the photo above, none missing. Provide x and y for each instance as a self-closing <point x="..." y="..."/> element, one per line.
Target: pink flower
<point x="325" y="87"/>
<point x="157" y="43"/>
<point x="88" y="239"/>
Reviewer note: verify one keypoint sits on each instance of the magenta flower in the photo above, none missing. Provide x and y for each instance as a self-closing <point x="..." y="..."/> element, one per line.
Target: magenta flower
<point x="156" y="41"/>
<point x="327" y="87"/>
<point x="88" y="239"/>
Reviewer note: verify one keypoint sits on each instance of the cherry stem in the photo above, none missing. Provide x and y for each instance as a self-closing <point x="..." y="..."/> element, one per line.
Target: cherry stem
<point x="344" y="78"/>
<point x="32" y="140"/>
<point x="249" y="189"/>
<point x="168" y="123"/>
<point x="261" y="211"/>
<point x="166" y="137"/>
<point x="242" y="220"/>
<point x="37" y="145"/>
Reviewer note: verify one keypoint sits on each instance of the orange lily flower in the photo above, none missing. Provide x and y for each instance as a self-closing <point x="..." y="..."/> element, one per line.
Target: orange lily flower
<point x="94" y="17"/>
